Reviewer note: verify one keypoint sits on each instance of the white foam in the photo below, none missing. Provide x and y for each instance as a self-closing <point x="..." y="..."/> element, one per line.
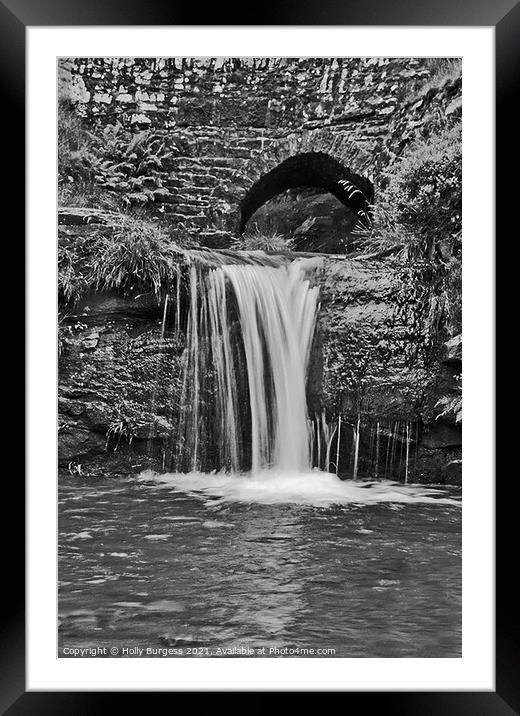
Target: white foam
<point x="312" y="488"/>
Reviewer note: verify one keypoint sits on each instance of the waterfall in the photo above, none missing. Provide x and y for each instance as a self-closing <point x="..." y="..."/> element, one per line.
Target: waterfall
<point x="376" y="472"/>
<point x="356" y="447"/>
<point x="337" y="445"/>
<point x="243" y="405"/>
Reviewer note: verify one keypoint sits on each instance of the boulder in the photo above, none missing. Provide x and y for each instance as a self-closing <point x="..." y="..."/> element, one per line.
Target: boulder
<point x="452" y="350"/>
<point x="452" y="472"/>
<point x="442" y="436"/>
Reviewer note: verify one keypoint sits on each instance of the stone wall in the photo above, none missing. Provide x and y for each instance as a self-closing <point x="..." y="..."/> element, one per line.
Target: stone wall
<point x="223" y="123"/>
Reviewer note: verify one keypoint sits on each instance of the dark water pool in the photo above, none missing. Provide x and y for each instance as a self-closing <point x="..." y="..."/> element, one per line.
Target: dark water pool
<point x="148" y="564"/>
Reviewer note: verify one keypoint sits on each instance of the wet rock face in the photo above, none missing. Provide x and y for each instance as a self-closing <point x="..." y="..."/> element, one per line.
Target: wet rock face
<point x="443" y="466"/>
<point x="452" y="472"/>
<point x="369" y="363"/>
<point x="120" y="384"/>
<point x="441" y="447"/>
<point x="442" y="436"/>
<point x="372" y="360"/>
<point x="452" y="351"/>
<point x="117" y="387"/>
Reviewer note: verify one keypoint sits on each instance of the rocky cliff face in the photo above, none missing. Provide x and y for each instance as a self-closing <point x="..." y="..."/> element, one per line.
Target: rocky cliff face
<point x="371" y="364"/>
<point x="372" y="354"/>
<point x="120" y="381"/>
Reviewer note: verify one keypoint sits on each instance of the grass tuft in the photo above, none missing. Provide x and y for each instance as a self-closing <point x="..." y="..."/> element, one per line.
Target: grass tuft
<point x="135" y="258"/>
<point x="134" y="255"/>
<point x="258" y="239"/>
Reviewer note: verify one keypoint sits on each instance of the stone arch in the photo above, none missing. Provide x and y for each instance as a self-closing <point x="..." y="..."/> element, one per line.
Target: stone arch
<point x="321" y="158"/>
<point x="313" y="169"/>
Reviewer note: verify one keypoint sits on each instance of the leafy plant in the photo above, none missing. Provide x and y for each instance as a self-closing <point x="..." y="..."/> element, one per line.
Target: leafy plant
<point x="451" y="405"/>
<point x="418" y="220"/>
<point x="111" y="168"/>
<point x="419" y="203"/>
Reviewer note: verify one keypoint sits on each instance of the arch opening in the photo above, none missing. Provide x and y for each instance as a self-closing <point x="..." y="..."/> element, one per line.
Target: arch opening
<point x="312" y="177"/>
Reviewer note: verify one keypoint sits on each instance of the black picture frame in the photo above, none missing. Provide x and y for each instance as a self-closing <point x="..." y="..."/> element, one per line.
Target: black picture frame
<point x="15" y="17"/>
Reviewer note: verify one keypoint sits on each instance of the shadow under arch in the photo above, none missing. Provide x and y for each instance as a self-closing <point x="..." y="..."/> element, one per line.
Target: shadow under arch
<point x="312" y="169"/>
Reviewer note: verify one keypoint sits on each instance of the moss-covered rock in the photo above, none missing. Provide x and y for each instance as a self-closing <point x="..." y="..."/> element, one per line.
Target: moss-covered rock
<point x="119" y="381"/>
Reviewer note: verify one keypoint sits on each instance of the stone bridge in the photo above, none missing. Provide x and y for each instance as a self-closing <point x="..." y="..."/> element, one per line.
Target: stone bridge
<point x="229" y="126"/>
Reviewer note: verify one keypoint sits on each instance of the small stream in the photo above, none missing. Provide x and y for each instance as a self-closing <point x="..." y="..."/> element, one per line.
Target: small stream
<point x="201" y="564"/>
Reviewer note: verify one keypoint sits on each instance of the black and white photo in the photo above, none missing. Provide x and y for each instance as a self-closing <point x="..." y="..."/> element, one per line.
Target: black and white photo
<point x="260" y="357"/>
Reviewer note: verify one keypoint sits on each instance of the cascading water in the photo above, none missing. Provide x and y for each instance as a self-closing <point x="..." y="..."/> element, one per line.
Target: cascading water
<point x="249" y="336"/>
<point x="243" y="433"/>
<point x="247" y="323"/>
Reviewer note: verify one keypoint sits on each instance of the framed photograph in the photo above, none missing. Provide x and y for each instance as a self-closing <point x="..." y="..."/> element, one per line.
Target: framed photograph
<point x="252" y="254"/>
